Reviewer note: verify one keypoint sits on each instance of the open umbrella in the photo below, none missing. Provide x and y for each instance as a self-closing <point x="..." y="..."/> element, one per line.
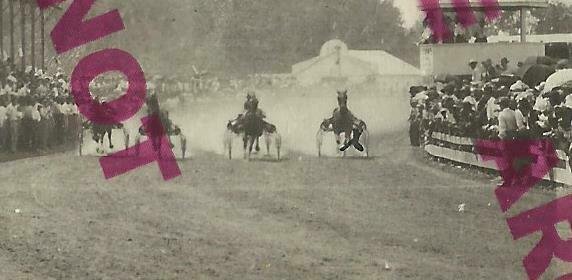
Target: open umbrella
<point x="533" y="75"/>
<point x="558" y="79"/>
<point x="531" y="60"/>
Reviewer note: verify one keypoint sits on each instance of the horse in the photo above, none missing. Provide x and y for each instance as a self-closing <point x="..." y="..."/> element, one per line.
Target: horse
<point x="98" y="132"/>
<point x="252" y="126"/>
<point x="343" y="121"/>
<point x="170" y="130"/>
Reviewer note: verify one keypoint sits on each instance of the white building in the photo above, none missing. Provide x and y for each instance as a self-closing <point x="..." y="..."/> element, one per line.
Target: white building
<point x="337" y="62"/>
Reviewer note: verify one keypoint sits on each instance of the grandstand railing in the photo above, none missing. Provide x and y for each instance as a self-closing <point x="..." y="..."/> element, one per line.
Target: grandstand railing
<point x="461" y="150"/>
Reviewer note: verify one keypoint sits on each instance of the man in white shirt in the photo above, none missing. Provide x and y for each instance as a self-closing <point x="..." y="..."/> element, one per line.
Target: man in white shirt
<point x="492" y="108"/>
<point x="476" y="71"/>
<point x="13" y="117"/>
<point x="507" y="121"/>
<point x="3" y="127"/>
<point x="24" y="91"/>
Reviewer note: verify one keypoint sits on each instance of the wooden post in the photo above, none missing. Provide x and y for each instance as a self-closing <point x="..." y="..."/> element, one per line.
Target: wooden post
<point x="12" y="43"/>
<point x="2" y="28"/>
<point x="523" y="24"/>
<point x="23" y="33"/>
<point x="33" y="35"/>
<point x="43" y="39"/>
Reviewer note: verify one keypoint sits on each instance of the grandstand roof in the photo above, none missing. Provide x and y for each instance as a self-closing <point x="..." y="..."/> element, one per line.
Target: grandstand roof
<point x="503" y="4"/>
<point x="544" y="38"/>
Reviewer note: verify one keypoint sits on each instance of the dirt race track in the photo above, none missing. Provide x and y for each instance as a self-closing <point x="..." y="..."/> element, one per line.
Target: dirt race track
<point x="391" y="217"/>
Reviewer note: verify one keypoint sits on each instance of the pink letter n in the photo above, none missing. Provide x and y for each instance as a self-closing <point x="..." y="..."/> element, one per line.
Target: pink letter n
<point x="72" y="31"/>
<point x="156" y="148"/>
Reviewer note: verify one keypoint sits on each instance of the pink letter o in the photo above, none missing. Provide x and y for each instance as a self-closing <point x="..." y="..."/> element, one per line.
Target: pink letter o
<point x="118" y="110"/>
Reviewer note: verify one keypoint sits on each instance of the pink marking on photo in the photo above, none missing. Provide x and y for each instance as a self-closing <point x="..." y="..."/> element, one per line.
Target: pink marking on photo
<point x="565" y="277"/>
<point x="465" y="15"/>
<point x="44" y="4"/>
<point x="118" y="110"/>
<point x="72" y="30"/>
<point x="544" y="219"/>
<point x="518" y="182"/>
<point x="155" y="148"/>
<point x="492" y="9"/>
<point x="435" y="19"/>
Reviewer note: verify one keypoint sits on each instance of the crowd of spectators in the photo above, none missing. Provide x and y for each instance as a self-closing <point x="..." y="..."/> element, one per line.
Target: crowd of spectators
<point x="477" y="33"/>
<point x="493" y="107"/>
<point x="36" y="110"/>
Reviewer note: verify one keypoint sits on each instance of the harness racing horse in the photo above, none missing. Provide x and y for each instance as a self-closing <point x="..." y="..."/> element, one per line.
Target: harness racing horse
<point x="170" y="129"/>
<point x="98" y="132"/>
<point x="343" y="121"/>
<point x="252" y="126"/>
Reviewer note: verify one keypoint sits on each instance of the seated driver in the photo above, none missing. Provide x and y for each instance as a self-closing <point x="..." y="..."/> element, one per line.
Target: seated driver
<point x="251" y="104"/>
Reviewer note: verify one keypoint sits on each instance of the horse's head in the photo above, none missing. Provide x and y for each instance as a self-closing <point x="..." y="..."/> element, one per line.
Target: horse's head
<point x="343" y="98"/>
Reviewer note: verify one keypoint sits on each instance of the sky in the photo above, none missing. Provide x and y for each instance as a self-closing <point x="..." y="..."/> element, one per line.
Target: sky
<point x="410" y="12"/>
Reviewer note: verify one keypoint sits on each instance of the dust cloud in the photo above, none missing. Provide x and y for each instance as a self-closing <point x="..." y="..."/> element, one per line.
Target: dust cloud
<point x="297" y="113"/>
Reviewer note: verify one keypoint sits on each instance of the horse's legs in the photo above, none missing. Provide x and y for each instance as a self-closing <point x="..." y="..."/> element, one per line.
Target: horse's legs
<point x="257" y="144"/>
<point x="245" y="144"/>
<point x="109" y="138"/>
<point x="267" y="140"/>
<point x="251" y="141"/>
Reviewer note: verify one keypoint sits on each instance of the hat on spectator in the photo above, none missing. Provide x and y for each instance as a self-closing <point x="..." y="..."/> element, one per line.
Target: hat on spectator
<point x="472" y="60"/>
<point x="471" y="100"/>
<point x="12" y="79"/>
<point x="541" y="104"/>
<point x="568" y="102"/>
<point x="523" y="95"/>
<point x="518" y="86"/>
<point x="541" y="86"/>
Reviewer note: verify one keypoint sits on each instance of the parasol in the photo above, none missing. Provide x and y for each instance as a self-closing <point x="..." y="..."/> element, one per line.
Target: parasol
<point x="558" y="79"/>
<point x="533" y="75"/>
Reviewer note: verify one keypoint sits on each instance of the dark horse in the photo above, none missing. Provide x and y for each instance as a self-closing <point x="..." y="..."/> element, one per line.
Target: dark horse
<point x="98" y="132"/>
<point x="343" y="121"/>
<point x="252" y="125"/>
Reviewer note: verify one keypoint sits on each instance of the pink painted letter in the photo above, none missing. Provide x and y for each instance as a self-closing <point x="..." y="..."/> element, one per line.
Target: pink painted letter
<point x="72" y="31"/>
<point x="156" y="148"/>
<point x="98" y="63"/>
<point x="518" y="182"/>
<point x="544" y="219"/>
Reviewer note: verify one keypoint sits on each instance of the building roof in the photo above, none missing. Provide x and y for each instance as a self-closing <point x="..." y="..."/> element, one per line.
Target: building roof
<point x="478" y="4"/>
<point x="384" y="63"/>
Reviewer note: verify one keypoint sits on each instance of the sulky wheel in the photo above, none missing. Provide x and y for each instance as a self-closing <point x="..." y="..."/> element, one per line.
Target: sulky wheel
<point x="365" y="141"/>
<point x="278" y="142"/>
<point x="81" y="135"/>
<point x="183" y="141"/>
<point x="319" y="141"/>
<point x="227" y="141"/>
